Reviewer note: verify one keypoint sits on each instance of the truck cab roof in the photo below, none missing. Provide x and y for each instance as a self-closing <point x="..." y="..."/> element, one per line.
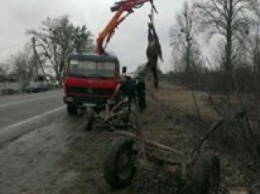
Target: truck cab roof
<point x="94" y="57"/>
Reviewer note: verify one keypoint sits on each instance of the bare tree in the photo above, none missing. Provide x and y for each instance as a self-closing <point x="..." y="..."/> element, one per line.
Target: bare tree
<point x="254" y="48"/>
<point x="3" y="75"/>
<point x="185" y="46"/>
<point x="229" y="18"/>
<point x="3" y="72"/>
<point x="23" y="65"/>
<point x="57" y="38"/>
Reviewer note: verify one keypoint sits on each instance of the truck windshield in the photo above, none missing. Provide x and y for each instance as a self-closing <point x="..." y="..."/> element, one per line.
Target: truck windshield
<point x="96" y="69"/>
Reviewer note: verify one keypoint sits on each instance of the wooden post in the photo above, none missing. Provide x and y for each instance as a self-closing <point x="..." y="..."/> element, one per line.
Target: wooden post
<point x="38" y="61"/>
<point x="35" y="61"/>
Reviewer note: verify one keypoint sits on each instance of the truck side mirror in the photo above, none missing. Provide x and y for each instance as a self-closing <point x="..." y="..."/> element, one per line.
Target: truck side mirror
<point x="124" y="69"/>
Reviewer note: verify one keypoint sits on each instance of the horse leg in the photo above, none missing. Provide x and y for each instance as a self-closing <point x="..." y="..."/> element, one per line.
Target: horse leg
<point x="155" y="74"/>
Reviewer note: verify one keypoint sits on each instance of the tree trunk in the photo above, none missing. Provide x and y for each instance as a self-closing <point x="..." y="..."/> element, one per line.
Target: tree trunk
<point x="228" y="66"/>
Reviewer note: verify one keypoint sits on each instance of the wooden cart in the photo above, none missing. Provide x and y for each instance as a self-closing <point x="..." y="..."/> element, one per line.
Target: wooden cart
<point x="199" y="171"/>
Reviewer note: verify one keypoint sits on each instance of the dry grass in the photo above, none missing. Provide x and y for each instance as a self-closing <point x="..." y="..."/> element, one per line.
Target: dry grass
<point x="181" y="98"/>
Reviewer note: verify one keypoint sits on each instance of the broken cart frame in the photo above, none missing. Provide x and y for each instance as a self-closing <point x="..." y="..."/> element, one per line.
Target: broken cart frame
<point x="116" y="115"/>
<point x="199" y="171"/>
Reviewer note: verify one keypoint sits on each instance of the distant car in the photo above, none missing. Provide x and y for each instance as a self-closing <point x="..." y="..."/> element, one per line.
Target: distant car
<point x="55" y="84"/>
<point x="35" y="87"/>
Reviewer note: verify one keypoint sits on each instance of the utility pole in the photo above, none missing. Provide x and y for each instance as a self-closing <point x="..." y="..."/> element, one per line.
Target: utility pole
<point x="37" y="61"/>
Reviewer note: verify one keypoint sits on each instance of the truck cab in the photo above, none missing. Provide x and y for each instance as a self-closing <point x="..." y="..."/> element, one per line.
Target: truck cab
<point x="90" y="79"/>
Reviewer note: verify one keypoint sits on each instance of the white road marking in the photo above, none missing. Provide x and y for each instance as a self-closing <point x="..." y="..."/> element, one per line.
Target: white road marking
<point x="32" y="119"/>
<point x="24" y="101"/>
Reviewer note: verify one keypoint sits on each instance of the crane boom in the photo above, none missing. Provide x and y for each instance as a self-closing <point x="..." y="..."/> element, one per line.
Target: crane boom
<point x="123" y="9"/>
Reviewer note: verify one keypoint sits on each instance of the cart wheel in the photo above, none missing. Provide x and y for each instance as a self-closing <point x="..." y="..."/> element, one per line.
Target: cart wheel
<point x="205" y="175"/>
<point x="89" y="124"/>
<point x="133" y="116"/>
<point x="119" y="168"/>
<point x="89" y="120"/>
<point x="72" y="110"/>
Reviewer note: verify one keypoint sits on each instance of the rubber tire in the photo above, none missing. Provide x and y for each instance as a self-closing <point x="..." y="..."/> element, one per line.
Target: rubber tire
<point x="89" y="122"/>
<point x="111" y="176"/>
<point x="206" y="168"/>
<point x="72" y="110"/>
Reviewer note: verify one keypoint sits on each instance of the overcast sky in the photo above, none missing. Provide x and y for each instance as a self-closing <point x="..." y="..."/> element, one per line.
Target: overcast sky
<point x="129" y="43"/>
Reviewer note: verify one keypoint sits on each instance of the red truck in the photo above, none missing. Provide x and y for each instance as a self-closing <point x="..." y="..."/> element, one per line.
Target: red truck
<point x="92" y="78"/>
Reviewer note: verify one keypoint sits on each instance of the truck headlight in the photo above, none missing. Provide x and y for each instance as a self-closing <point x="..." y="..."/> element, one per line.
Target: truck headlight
<point x="69" y="99"/>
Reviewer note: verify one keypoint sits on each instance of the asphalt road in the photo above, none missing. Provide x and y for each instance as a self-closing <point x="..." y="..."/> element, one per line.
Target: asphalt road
<point x="17" y="109"/>
<point x="35" y="134"/>
<point x="20" y="114"/>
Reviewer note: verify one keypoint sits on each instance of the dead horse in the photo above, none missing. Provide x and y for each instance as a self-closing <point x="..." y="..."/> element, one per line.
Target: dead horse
<point x="153" y="51"/>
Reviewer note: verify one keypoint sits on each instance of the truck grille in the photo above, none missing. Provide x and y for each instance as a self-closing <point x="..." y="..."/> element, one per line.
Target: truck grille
<point x="90" y="91"/>
<point x="90" y="99"/>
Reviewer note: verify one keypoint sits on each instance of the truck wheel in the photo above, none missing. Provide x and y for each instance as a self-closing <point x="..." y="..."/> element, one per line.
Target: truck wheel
<point x="89" y="120"/>
<point x="72" y="110"/>
<point x="205" y="175"/>
<point x="119" y="168"/>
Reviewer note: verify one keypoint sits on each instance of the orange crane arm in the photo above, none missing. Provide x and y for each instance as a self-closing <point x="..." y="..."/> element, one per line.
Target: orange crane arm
<point x="121" y="7"/>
